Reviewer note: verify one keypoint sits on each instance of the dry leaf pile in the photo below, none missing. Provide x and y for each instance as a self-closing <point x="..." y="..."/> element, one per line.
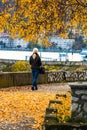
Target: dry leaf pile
<point x="16" y="105"/>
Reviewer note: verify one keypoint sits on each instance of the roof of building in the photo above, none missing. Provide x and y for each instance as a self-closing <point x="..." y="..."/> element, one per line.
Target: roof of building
<point x="4" y="35"/>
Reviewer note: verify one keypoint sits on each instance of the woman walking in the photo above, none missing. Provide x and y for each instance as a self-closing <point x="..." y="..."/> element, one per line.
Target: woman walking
<point x="35" y="62"/>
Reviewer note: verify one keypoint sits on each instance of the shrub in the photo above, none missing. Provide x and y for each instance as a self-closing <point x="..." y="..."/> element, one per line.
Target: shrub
<point x="5" y="67"/>
<point x="20" y="66"/>
<point x="81" y="68"/>
<point x="53" y="68"/>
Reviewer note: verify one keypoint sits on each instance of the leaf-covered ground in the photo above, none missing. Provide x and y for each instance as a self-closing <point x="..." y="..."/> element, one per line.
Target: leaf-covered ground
<point x="20" y="107"/>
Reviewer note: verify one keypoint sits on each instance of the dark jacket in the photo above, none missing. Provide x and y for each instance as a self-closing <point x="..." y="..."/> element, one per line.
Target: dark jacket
<point x="35" y="62"/>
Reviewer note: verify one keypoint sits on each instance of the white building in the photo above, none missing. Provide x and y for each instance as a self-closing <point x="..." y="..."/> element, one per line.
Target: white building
<point x="6" y="41"/>
<point x="63" y="43"/>
<point x="9" y="42"/>
<point x="20" y="42"/>
<point x="4" y="37"/>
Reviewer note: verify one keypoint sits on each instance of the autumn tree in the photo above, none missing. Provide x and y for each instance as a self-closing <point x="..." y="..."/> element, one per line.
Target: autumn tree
<point x="38" y="19"/>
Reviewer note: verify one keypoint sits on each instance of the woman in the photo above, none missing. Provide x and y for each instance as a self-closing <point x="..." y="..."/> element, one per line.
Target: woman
<point x="35" y="63"/>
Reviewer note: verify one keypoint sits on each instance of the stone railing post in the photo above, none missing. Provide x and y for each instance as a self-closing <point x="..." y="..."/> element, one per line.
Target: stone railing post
<point x="79" y="99"/>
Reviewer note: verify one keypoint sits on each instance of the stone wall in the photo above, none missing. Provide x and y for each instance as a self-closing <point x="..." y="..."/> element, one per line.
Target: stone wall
<point x="79" y="110"/>
<point x="8" y="79"/>
<point x="65" y="126"/>
<point x="67" y="76"/>
<point x="19" y="79"/>
<point x="79" y="99"/>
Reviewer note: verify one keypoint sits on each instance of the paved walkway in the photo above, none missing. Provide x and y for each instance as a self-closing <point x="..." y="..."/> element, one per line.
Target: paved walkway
<point x="52" y="87"/>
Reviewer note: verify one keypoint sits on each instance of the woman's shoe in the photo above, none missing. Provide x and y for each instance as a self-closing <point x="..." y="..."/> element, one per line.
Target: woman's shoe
<point x="32" y="88"/>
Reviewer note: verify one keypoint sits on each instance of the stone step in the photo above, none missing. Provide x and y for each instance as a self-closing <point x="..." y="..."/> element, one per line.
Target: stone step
<point x="54" y="102"/>
<point x="60" y="95"/>
<point x="50" y="119"/>
<point x="50" y="110"/>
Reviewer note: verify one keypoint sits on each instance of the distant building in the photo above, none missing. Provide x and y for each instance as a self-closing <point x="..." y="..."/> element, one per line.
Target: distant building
<point x="4" y="37"/>
<point x="20" y="42"/>
<point x="63" y="43"/>
<point x="7" y="41"/>
<point x="57" y="42"/>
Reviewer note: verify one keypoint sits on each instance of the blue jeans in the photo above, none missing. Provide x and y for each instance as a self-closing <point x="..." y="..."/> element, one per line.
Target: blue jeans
<point x="35" y="73"/>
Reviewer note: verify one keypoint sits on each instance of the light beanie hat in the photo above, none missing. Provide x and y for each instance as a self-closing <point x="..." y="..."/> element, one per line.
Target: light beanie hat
<point x="35" y="51"/>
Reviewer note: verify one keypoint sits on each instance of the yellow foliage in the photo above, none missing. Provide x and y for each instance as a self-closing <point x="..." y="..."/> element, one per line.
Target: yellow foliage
<point x="27" y="18"/>
<point x="14" y="105"/>
<point x="64" y="110"/>
<point x="20" y="66"/>
<point x="3" y="1"/>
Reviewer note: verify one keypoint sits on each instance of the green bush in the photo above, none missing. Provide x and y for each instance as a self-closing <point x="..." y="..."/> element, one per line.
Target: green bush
<point x="6" y="67"/>
<point x="20" y="66"/>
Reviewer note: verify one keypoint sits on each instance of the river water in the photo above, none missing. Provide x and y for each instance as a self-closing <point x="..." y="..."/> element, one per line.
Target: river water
<point x="47" y="56"/>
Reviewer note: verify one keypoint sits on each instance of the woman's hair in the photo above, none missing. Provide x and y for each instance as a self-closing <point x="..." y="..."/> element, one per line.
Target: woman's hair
<point x="35" y="50"/>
